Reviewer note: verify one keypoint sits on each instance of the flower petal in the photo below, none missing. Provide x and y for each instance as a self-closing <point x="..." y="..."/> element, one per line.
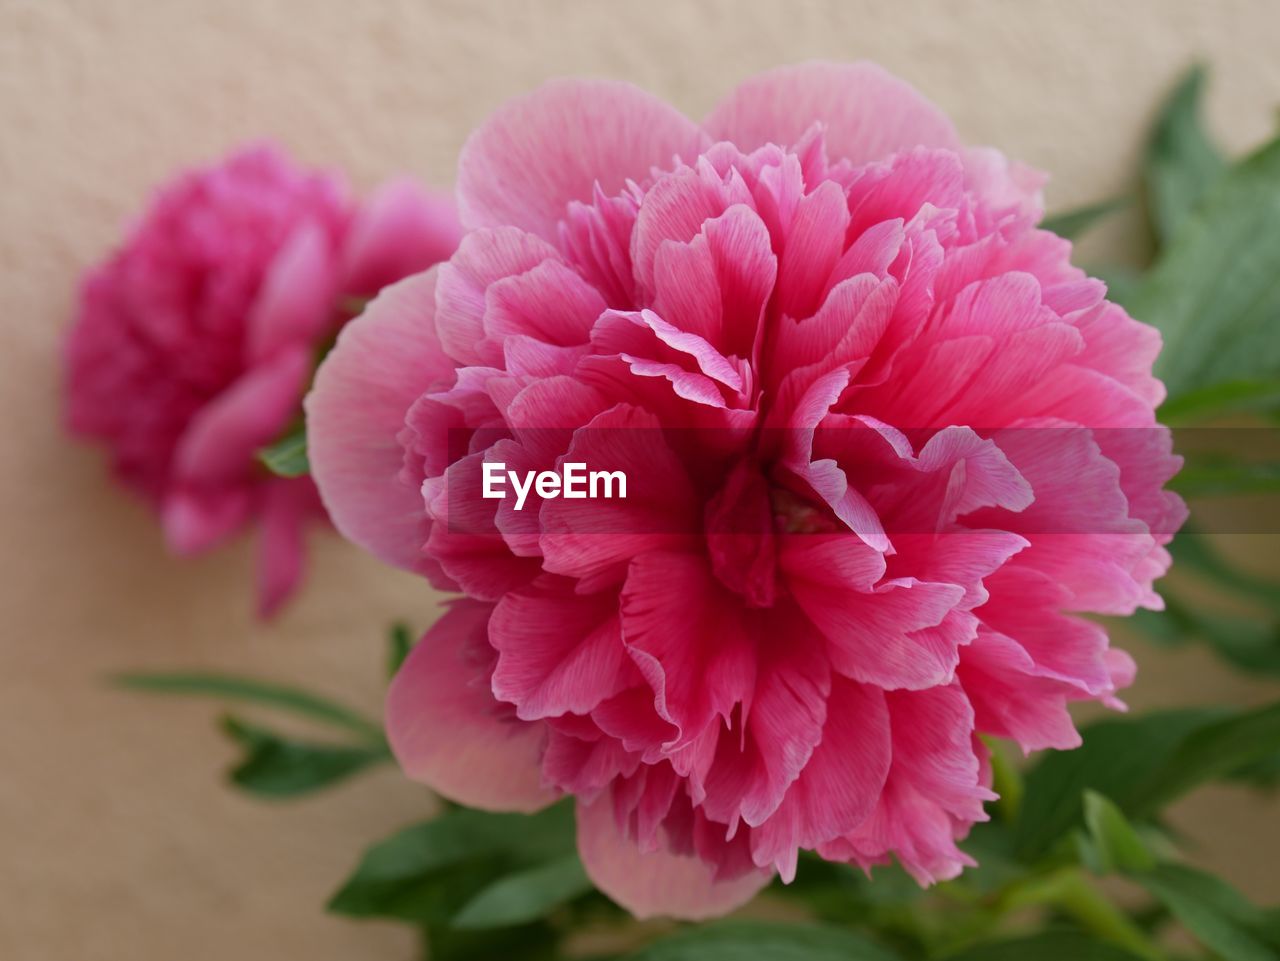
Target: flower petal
<point x="384" y="360"/>
<point x="657" y="883"/>
<point x="400" y="230"/>
<point x="537" y="153"/>
<point x="868" y="112"/>
<point x="448" y="731"/>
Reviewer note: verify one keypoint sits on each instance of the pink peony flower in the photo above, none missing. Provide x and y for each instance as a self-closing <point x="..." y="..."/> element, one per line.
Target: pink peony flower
<point x="196" y="340"/>
<point x="885" y="445"/>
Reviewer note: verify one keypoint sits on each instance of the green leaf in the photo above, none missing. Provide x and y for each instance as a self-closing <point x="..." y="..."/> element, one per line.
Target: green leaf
<point x="1229" y="397"/>
<point x="1118" y="755"/>
<point x="1117" y="844"/>
<point x="762" y="941"/>
<point x="1192" y="549"/>
<point x="231" y="687"/>
<point x="1213" y="911"/>
<point x="1216" y="476"/>
<point x="525" y="895"/>
<point x="532" y="942"/>
<point x="1072" y="223"/>
<point x="275" y="766"/>
<point x="1215" y="292"/>
<point x="428" y="872"/>
<point x="1252" y="643"/>
<point x="1122" y="283"/>
<point x="399" y="643"/>
<point x="287" y="457"/>
<point x="1180" y="163"/>
<point x="1048" y="946"/>
<point x="1140" y="764"/>
<point x="1208" y="752"/>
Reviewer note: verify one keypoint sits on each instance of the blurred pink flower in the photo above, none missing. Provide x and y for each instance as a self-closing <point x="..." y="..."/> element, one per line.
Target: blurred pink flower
<point x="196" y="340"/>
<point x="846" y="377"/>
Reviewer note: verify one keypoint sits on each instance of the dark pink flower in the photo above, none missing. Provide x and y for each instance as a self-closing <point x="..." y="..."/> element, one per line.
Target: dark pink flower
<point x="196" y="339"/>
<point x="885" y="446"/>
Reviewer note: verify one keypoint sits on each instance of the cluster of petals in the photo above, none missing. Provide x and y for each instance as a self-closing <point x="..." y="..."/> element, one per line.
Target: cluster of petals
<point x="867" y="410"/>
<point x="195" y="341"/>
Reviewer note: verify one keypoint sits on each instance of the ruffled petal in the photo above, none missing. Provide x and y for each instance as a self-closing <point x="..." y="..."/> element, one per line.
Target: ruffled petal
<point x="868" y="113"/>
<point x="537" y="153"/>
<point x="656" y="883"/>
<point x="400" y="230"/>
<point x="448" y="731"/>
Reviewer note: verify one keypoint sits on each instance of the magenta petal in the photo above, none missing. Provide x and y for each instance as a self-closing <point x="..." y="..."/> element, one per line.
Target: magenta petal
<point x="383" y="361"/>
<point x="295" y="304"/>
<point x="448" y="731"/>
<point x="221" y="443"/>
<point x="868" y="113"/>
<point x="656" y="883"/>
<point x="537" y="153"/>
<point x="282" y="557"/>
<point x="400" y="230"/>
<point x="196" y="520"/>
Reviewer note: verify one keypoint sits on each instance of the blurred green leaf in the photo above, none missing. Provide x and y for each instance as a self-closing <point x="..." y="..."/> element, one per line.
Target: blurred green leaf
<point x="1192" y="549"/>
<point x="1180" y="163"/>
<point x="428" y="872"/>
<point x="1140" y="764"/>
<point x="1215" y="476"/>
<point x="1215" y="292"/>
<point x="530" y="942"/>
<point x="1228" y="397"/>
<point x="230" y="687"/>
<point x="1122" y="283"/>
<point x="1072" y="223"/>
<point x="287" y="457"/>
<point x="1118" y="755"/>
<point x="1048" y="946"/>
<point x="275" y="766"/>
<point x="1248" y="642"/>
<point x="399" y="643"/>
<point x="525" y="895"/>
<point x="1212" y="910"/>
<point x="1207" y="752"/>
<point x="1117" y="844"/>
<point x="762" y="941"/>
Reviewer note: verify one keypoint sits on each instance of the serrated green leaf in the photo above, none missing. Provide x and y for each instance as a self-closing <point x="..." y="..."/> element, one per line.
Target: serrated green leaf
<point x="1048" y="946"/>
<point x="1180" y="163"/>
<point x="230" y="687"/>
<point x="1116" y="843"/>
<point x="762" y="941"/>
<point x="287" y="457"/>
<point x="526" y="895"/>
<point x="1212" y="910"/>
<point x="276" y="766"/>
<point x="1070" y="224"/>
<point x="1215" y="292"/>
<point x="427" y="872"/>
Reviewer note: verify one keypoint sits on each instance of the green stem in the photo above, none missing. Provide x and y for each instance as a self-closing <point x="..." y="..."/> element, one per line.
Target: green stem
<point x="1069" y="891"/>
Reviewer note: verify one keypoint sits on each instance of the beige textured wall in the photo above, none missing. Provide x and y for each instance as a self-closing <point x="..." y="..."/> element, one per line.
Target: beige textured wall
<point x="115" y="841"/>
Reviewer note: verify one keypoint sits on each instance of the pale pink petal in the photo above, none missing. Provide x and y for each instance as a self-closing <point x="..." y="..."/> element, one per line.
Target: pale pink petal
<point x="868" y="113"/>
<point x="537" y="153"/>
<point x="401" y="229"/>
<point x="448" y="731"/>
<point x="656" y="883"/>
<point x="383" y="361"/>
